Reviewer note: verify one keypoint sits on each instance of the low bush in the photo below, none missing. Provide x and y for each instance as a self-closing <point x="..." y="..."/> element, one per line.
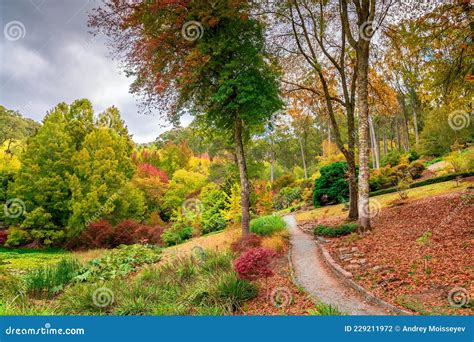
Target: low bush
<point x="415" y="169"/>
<point x="276" y="242"/>
<point x="267" y="225"/>
<point x="176" y="234"/>
<point x="461" y="161"/>
<point x="231" y="291"/>
<point x="3" y="237"/>
<point x="17" y="237"/>
<point x="130" y="232"/>
<point x="332" y="185"/>
<point x="119" y="262"/>
<point x="382" y="178"/>
<point x="245" y="243"/>
<point x="323" y="309"/>
<point x="322" y="230"/>
<point x="51" y="279"/>
<point x="391" y="158"/>
<point x="97" y="234"/>
<point x="286" y="197"/>
<point x="255" y="264"/>
<point x="413" y="155"/>
<point x="284" y="181"/>
<point x="432" y="161"/>
<point x="214" y="202"/>
<point x="101" y="234"/>
<point x="428" y="181"/>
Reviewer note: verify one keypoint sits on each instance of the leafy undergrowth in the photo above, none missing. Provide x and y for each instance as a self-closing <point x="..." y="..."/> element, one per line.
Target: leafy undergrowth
<point x="22" y="260"/>
<point x="191" y="280"/>
<point x="416" y="254"/>
<point x="36" y="291"/>
<point x="335" y="214"/>
<point x="279" y="295"/>
<point x="184" y="286"/>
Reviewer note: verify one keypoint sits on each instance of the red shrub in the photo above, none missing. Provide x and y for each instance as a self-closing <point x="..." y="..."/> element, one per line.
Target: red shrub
<point x="97" y="234"/>
<point x="129" y="232"/>
<point x="101" y="234"/>
<point x="3" y="236"/>
<point x="153" y="235"/>
<point x="124" y="233"/>
<point x="147" y="170"/>
<point x="255" y="264"/>
<point x="246" y="242"/>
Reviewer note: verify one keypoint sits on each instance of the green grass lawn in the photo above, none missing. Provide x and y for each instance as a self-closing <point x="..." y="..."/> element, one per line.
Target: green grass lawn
<point x="21" y="260"/>
<point x="385" y="200"/>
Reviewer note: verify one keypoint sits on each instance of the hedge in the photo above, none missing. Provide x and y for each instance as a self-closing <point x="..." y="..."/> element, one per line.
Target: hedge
<point x="429" y="181"/>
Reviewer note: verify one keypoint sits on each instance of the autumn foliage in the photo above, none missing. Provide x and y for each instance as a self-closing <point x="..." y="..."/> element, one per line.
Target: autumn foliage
<point x="148" y="170"/>
<point x="246" y="242"/>
<point x="3" y="236"/>
<point x="255" y="264"/>
<point x="101" y="234"/>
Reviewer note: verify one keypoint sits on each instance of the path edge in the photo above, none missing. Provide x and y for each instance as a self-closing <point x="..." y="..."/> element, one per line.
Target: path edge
<point x="346" y="278"/>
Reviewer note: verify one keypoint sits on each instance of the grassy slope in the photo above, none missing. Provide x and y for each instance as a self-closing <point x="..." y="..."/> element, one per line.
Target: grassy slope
<point x="385" y="200"/>
<point x="219" y="241"/>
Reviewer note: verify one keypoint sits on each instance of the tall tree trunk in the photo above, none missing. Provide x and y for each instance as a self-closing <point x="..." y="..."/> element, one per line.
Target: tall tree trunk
<point x="385" y="145"/>
<point x="303" y="158"/>
<point x="353" y="210"/>
<point x="375" y="150"/>
<point x="329" y="133"/>
<point x="363" y="106"/>
<point x="407" y="134"/>
<point x="415" y="125"/>
<point x="399" y="139"/>
<point x="244" y="182"/>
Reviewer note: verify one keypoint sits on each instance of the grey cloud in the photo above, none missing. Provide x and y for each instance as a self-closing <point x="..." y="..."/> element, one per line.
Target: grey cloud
<point x="58" y="60"/>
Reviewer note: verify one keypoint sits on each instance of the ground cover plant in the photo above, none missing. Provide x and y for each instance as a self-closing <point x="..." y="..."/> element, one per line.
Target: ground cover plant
<point x="266" y="225"/>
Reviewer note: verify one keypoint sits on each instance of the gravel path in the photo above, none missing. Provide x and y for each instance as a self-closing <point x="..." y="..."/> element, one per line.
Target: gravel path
<point x="313" y="275"/>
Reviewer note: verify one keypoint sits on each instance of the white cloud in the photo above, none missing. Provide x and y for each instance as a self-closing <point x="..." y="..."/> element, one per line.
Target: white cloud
<point x="20" y="63"/>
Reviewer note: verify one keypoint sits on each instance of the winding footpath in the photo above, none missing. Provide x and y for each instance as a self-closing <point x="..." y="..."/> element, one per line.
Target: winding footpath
<point x="320" y="282"/>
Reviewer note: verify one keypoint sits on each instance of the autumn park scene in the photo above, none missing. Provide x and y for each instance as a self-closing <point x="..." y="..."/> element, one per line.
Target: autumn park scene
<point x="236" y="157"/>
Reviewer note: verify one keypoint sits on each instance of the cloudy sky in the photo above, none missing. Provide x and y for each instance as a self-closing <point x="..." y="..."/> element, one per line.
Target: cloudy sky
<point x="47" y="56"/>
